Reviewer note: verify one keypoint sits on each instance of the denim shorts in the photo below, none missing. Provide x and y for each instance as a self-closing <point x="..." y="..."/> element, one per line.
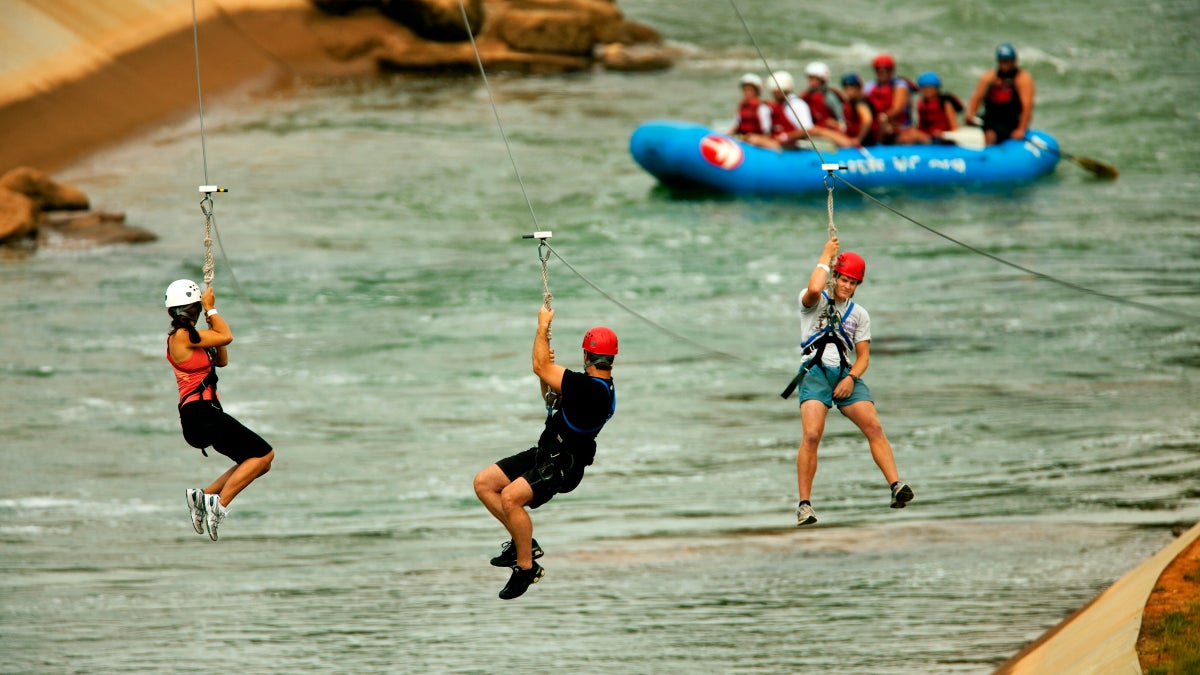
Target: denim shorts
<point x="820" y="382"/>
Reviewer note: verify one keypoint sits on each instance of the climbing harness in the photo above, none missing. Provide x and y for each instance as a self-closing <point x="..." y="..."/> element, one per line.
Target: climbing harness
<point x="833" y="332"/>
<point x="612" y="394"/>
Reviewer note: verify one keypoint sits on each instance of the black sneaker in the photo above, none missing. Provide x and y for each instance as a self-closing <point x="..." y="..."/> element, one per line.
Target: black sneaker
<point x="508" y="554"/>
<point x="901" y="494"/>
<point x="519" y="582"/>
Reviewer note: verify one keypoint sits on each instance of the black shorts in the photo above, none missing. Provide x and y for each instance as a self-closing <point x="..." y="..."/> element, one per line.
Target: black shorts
<point x="1003" y="131"/>
<point x="547" y="474"/>
<point x="205" y="424"/>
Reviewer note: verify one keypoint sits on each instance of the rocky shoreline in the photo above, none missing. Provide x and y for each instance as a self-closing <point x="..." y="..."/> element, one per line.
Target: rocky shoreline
<point x="122" y="79"/>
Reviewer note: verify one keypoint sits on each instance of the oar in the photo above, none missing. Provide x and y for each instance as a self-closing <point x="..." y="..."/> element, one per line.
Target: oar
<point x="1093" y="166"/>
<point x="970" y="138"/>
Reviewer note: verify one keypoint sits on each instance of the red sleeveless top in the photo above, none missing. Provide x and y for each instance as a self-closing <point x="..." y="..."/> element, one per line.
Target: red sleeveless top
<point x="190" y="373"/>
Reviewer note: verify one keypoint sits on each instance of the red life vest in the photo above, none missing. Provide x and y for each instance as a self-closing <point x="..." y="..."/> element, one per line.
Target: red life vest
<point x="748" y="121"/>
<point x="882" y="94"/>
<point x="821" y="114"/>
<point x="780" y="122"/>
<point x="931" y="115"/>
<point x="854" y="123"/>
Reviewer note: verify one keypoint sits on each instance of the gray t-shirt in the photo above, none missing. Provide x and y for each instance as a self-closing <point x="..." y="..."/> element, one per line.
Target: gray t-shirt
<point x="812" y="321"/>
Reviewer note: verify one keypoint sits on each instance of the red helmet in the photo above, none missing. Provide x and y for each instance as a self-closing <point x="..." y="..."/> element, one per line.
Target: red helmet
<point x="600" y="340"/>
<point x="851" y="264"/>
<point x="884" y="61"/>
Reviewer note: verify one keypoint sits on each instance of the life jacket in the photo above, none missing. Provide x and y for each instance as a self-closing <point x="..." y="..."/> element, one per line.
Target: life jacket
<point x="832" y="333"/>
<point x="195" y="376"/>
<point x="566" y="434"/>
<point x="931" y="114"/>
<point x="881" y="95"/>
<point x="780" y="122"/>
<point x="1002" y="102"/>
<point x="822" y="115"/>
<point x="854" y="124"/>
<point x="748" y="119"/>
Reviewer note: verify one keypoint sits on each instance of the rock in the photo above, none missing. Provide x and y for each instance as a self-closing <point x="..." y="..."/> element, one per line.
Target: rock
<point x="530" y="36"/>
<point x="403" y="56"/>
<point x="546" y="31"/>
<point x="100" y="234"/>
<point x="77" y="219"/>
<point x="343" y="7"/>
<point x="37" y="212"/>
<point x="635" y="58"/>
<point x="44" y="191"/>
<point x="438" y="20"/>
<point x="18" y="216"/>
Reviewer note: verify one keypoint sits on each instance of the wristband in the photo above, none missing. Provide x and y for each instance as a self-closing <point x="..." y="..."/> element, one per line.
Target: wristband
<point x="824" y="267"/>
<point x="210" y="312"/>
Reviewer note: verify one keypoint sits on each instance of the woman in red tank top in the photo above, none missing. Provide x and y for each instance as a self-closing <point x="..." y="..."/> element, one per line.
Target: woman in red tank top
<point x="195" y="355"/>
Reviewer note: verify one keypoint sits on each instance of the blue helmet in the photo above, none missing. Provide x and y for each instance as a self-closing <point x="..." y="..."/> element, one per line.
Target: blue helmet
<point x="1006" y="52"/>
<point x="851" y="78"/>
<point x="929" y="79"/>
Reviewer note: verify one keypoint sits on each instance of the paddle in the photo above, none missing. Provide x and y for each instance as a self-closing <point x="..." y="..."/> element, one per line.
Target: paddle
<point x="970" y="138"/>
<point x="1095" y="167"/>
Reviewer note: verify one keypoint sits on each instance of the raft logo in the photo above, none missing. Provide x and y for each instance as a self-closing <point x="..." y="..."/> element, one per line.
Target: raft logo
<point x="721" y="151"/>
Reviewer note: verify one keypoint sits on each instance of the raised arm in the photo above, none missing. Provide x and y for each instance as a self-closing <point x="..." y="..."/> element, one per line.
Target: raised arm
<point x="549" y="372"/>
<point x="820" y="273"/>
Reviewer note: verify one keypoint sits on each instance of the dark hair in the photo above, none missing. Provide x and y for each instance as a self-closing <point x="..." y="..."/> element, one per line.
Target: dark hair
<point x="184" y="316"/>
<point x="600" y="361"/>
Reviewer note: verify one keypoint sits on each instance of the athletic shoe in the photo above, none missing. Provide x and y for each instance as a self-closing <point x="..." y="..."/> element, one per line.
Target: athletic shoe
<point x="901" y="494"/>
<point x="508" y="554"/>
<point x="805" y="514"/>
<point x="216" y="513"/>
<point x="519" y="582"/>
<point x="195" y="499"/>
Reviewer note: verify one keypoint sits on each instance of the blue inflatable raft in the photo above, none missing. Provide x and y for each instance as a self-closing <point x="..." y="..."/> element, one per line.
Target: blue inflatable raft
<point x="690" y="156"/>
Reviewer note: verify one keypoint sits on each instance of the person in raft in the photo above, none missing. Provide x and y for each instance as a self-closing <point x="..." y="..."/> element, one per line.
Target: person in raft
<point x="837" y="341"/>
<point x="195" y="356"/>
<point x="577" y="406"/>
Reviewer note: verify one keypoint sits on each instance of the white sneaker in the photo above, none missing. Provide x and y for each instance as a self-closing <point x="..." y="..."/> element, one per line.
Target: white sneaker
<point x="195" y="500"/>
<point x="215" y="512"/>
<point x="805" y="515"/>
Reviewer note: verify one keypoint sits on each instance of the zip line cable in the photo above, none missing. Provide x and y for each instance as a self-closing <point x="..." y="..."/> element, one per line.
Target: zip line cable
<point x="206" y="203"/>
<point x="1022" y="268"/>
<point x="496" y="112"/>
<point x="651" y="322"/>
<point x="543" y="236"/>
<point x="830" y="168"/>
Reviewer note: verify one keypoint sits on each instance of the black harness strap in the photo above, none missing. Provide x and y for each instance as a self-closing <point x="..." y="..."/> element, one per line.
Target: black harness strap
<point x="817" y="348"/>
<point x="209" y="382"/>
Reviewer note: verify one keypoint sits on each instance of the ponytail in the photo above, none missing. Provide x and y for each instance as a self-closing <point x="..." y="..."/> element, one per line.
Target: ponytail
<point x="184" y="317"/>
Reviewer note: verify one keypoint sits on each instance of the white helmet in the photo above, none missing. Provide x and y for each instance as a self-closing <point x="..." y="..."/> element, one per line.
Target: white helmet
<point x="182" y="293"/>
<point x="782" y="81"/>
<point x="751" y="78"/>
<point x="818" y="69"/>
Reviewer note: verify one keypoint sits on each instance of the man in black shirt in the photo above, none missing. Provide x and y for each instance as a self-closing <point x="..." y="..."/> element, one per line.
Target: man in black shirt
<point x="578" y="405"/>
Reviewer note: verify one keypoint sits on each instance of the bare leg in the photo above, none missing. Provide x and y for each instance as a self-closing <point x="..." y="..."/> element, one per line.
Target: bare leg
<point x="513" y="499"/>
<point x="506" y="501"/>
<point x="865" y="417"/>
<point x="489" y="483"/>
<point x="812" y="421"/>
<point x="233" y="481"/>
